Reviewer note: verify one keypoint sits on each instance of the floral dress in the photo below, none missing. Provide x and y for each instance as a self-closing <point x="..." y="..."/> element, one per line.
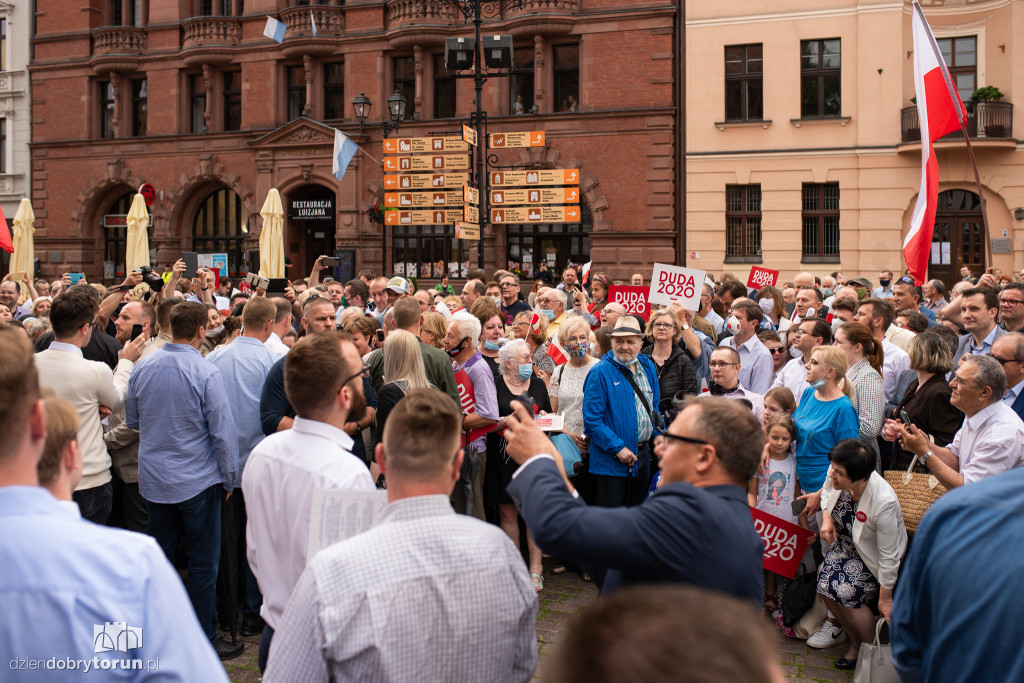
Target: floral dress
<point x="843" y="576"/>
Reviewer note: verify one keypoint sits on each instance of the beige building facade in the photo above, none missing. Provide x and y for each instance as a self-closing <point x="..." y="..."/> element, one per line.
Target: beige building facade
<point x="803" y="149"/>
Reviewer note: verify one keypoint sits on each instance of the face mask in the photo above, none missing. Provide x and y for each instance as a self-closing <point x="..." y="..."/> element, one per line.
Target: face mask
<point x="733" y="324"/>
<point x="577" y="350"/>
<point x="550" y="313"/>
<point x="457" y="349"/>
<point x="627" y="363"/>
<point x="817" y="383"/>
<point x="215" y="331"/>
<point x="861" y="293"/>
<point x="525" y="371"/>
<point x="826" y="292"/>
<point x="497" y="299"/>
<point x="767" y="305"/>
<point x="884" y="283"/>
<point x="491" y="345"/>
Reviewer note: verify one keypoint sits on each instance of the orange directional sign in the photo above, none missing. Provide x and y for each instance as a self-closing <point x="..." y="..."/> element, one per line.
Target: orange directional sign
<point x="525" y="138"/>
<point x="467" y="231"/>
<point x="560" y="176"/>
<point x="470" y="195"/>
<point x="403" y="200"/>
<point x="434" y="217"/>
<point x="472" y="214"/>
<point x="536" y="214"/>
<point x="540" y="195"/>
<point x="438" y="162"/>
<point x="469" y="135"/>
<point x="417" y="145"/>
<point x="424" y="182"/>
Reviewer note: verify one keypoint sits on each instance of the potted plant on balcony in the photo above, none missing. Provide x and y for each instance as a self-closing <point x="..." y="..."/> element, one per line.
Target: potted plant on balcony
<point x="985" y="115"/>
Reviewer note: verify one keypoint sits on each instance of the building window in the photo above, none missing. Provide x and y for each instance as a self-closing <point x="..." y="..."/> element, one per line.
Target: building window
<point x="820" y="218"/>
<point x="3" y="145"/>
<point x="232" y="100"/>
<point x="820" y="78"/>
<point x="429" y="251"/>
<point x="197" y="103"/>
<point x="520" y="81"/>
<point x="115" y="233"/>
<point x="743" y="223"/>
<point x="444" y="90"/>
<point x="206" y="8"/>
<point x="106" y="109"/>
<point x="334" y="90"/>
<point x="3" y="44"/>
<point x="221" y="226"/>
<point x="403" y="79"/>
<point x="567" y="77"/>
<point x="296" y="91"/>
<point x="744" y="83"/>
<point x="139" y="107"/>
<point x="557" y="244"/>
<point x="961" y="56"/>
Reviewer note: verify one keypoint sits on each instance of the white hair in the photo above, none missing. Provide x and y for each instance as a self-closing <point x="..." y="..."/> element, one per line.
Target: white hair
<point x="468" y="326"/>
<point x="510" y="350"/>
<point x="560" y="293"/>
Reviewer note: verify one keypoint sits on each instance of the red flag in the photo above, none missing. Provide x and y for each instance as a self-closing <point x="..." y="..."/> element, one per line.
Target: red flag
<point x="940" y="112"/>
<point x="586" y="271"/>
<point x="5" y="235"/>
<point x="556" y="352"/>
<point x="535" y="324"/>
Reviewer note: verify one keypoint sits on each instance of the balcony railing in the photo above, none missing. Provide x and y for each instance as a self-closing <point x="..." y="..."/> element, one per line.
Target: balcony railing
<point x="330" y="21"/>
<point x="401" y="13"/>
<point x="118" y="40"/>
<point x="985" y="121"/>
<point x="525" y="7"/>
<point x="211" y="32"/>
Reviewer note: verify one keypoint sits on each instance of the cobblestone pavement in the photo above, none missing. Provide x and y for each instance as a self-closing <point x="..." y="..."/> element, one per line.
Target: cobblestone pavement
<point x="563" y="597"/>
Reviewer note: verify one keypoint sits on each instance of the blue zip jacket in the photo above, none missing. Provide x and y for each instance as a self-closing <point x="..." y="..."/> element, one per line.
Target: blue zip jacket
<point x="609" y="413"/>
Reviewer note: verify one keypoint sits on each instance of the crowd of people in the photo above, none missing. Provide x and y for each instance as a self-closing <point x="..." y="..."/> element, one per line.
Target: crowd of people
<point x="503" y="425"/>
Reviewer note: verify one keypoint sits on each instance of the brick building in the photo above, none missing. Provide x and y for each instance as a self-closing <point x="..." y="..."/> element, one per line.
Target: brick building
<point x="190" y="97"/>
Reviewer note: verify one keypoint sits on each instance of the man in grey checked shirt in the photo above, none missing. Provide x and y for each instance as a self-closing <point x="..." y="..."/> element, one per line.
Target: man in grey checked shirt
<point x="425" y="594"/>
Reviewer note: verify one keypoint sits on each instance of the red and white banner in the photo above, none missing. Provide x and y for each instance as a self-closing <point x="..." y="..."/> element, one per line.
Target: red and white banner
<point x="467" y="396"/>
<point x="762" y="277"/>
<point x="632" y="297"/>
<point x="784" y="542"/>
<point x="940" y="112"/>
<point x="556" y="351"/>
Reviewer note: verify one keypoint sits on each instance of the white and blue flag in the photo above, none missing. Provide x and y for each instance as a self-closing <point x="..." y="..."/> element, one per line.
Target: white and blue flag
<point x="274" y="30"/>
<point x="344" y="150"/>
<point x="312" y="21"/>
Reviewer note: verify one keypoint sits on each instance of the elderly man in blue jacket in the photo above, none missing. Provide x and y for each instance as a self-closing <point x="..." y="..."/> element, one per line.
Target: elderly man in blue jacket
<point x="620" y="396"/>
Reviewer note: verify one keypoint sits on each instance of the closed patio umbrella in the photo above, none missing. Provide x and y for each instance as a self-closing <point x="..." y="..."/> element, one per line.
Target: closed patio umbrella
<point x="24" y="255"/>
<point x="137" y="252"/>
<point x="272" y="237"/>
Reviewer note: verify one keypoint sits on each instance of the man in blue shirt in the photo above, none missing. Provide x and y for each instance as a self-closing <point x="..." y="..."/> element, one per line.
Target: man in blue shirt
<point x="244" y="364"/>
<point x="188" y="456"/>
<point x="963" y="572"/>
<point x="67" y="583"/>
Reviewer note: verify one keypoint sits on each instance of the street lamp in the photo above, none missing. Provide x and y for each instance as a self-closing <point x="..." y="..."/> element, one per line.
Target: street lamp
<point x="397" y="105"/>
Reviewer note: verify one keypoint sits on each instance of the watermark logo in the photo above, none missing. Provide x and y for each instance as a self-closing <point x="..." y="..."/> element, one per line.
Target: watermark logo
<point x="116" y="636"/>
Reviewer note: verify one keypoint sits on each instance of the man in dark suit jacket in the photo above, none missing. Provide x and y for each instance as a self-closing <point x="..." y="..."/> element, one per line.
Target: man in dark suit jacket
<point x="1008" y="350"/>
<point x="695" y="528"/>
<point x="979" y="309"/>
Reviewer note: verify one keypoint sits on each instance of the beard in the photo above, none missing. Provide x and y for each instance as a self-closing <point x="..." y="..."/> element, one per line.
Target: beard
<point x="358" y="410"/>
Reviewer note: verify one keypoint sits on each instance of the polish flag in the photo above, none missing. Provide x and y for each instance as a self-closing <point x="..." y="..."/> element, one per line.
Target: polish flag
<point x="556" y="352"/>
<point x="940" y="112"/>
<point x="535" y="324"/>
<point x="586" y="271"/>
<point x="6" y="242"/>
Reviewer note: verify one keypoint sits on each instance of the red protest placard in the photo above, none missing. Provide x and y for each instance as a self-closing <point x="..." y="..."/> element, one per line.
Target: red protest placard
<point x="762" y="277"/>
<point x="784" y="543"/>
<point x="633" y="298"/>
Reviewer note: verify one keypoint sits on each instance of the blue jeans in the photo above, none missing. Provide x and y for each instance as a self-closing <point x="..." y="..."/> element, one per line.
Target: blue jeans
<point x="199" y="519"/>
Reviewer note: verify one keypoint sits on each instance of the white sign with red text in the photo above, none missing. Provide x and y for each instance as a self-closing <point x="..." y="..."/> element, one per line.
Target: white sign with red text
<point x="670" y="284"/>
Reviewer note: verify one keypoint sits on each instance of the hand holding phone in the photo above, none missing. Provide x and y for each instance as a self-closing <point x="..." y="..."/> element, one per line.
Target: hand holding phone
<point x="191" y="260"/>
<point x="331" y="262"/>
<point x="798" y="506"/>
<point x="904" y="417"/>
<point x="136" y="331"/>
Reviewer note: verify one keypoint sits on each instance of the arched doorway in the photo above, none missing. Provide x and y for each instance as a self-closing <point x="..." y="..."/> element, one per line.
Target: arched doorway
<point x="958" y="238"/>
<point x="115" y="236"/>
<point x="220" y="227"/>
<point x="310" y="217"/>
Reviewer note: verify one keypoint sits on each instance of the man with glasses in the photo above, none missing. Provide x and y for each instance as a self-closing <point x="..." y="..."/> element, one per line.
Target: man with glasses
<point x="694" y="529"/>
<point x="323" y="376"/>
<point x="1011" y="307"/>
<point x="805" y="337"/>
<point x="991" y="440"/>
<point x="756" y="373"/>
<point x="1008" y="351"/>
<point x="934" y="296"/>
<point x="906" y="295"/>
<point x="708" y="313"/>
<point x="552" y="304"/>
<point x="511" y="304"/>
<point x="725" y="369"/>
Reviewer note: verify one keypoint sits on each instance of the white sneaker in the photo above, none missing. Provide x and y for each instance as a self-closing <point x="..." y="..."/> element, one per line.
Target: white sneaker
<point x="828" y="635"/>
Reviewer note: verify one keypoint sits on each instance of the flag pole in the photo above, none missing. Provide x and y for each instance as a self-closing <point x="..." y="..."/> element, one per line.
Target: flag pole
<point x="369" y="155"/>
<point x="981" y="196"/>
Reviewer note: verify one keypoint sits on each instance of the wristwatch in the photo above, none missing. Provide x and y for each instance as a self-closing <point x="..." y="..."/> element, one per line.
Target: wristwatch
<point x="924" y="457"/>
<point x="684" y="326"/>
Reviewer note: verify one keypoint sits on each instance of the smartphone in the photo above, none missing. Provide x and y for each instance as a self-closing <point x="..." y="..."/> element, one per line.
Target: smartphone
<point x="379" y="335"/>
<point x="191" y="259"/>
<point x="528" y="403"/>
<point x="798" y="506"/>
<point x="904" y="417"/>
<point x="136" y="331"/>
<point x="76" y="277"/>
<point x="332" y="262"/>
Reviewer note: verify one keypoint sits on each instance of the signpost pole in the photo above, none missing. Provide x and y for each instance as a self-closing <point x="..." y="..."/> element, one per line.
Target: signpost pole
<point x="481" y="129"/>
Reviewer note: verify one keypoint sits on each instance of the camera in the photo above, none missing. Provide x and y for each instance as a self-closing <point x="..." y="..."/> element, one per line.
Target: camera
<point x="155" y="282"/>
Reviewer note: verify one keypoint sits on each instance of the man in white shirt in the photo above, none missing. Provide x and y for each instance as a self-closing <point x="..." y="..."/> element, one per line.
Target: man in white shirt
<point x="991" y="440"/>
<point x="87" y="385"/>
<point x="934" y="292"/>
<point x="282" y="323"/>
<point x="725" y="368"/>
<point x="807" y="336"/>
<point x="878" y="315"/>
<point x="1008" y="351"/>
<point x="323" y="380"/>
<point x="757" y="366"/>
<point x="425" y="594"/>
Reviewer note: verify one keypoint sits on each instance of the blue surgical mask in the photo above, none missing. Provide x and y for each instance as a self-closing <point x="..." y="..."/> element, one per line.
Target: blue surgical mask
<point x="826" y="292"/>
<point x="491" y="345"/>
<point x="817" y="384"/>
<point x="525" y="370"/>
<point x="550" y="313"/>
<point x="625" y="364"/>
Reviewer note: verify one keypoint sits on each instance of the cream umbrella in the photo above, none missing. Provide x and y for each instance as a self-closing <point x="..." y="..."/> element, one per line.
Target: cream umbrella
<point x="24" y="255"/>
<point x="272" y="237"/>
<point x="137" y="251"/>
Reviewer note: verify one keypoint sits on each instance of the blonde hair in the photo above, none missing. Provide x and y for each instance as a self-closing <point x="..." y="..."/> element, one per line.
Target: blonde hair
<point x="572" y="325"/>
<point x="435" y="323"/>
<point x="834" y="358"/>
<point x="61" y="429"/>
<point x="537" y="338"/>
<point x="403" y="362"/>
<point x="677" y="333"/>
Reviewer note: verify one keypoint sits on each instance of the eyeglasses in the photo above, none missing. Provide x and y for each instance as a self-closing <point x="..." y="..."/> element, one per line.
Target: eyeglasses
<point x="1011" y="302"/>
<point x="778" y="350"/>
<point x="685" y="439"/>
<point x="1003" y="361"/>
<point x="508" y="284"/>
<point x="720" y="364"/>
<point x="364" y="372"/>
<point x="662" y="326"/>
<point x="907" y="280"/>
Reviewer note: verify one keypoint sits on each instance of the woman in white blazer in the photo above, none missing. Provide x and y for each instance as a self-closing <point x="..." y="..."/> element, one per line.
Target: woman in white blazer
<point x="864" y="525"/>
